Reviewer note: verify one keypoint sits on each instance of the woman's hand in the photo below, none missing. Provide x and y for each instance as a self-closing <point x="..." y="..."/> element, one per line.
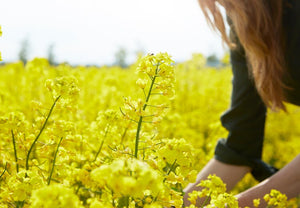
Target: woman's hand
<point x="286" y="180"/>
<point x="230" y="174"/>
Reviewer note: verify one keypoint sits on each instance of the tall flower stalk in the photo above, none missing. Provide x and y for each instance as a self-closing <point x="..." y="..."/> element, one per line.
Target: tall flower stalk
<point x="53" y="164"/>
<point x="15" y="150"/>
<point x="160" y="71"/>
<point x="40" y="132"/>
<point x="137" y="138"/>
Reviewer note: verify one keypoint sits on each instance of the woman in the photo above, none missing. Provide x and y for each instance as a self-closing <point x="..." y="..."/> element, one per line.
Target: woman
<point x="265" y="46"/>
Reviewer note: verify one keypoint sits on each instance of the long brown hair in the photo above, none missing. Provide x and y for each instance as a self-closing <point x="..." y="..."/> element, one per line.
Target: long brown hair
<point x="258" y="25"/>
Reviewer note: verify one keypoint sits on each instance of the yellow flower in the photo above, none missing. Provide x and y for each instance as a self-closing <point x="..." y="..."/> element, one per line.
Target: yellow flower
<point x="19" y="186"/>
<point x="94" y="203"/>
<point x="275" y="198"/>
<point x="142" y="83"/>
<point x="154" y="205"/>
<point x="55" y="195"/>
<point x="213" y="187"/>
<point x="224" y="200"/>
<point x="256" y="202"/>
<point x="134" y="178"/>
<point x="193" y="197"/>
<point x="157" y="65"/>
<point x="66" y="87"/>
<point x="267" y="197"/>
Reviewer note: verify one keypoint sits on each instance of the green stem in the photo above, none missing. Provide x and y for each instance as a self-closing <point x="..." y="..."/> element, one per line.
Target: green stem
<point x="137" y="137"/>
<point x="113" y="201"/>
<point x="41" y="130"/>
<point x="171" y="168"/>
<point x="125" y="132"/>
<point x="15" y="150"/>
<point x="99" y="150"/>
<point x="151" y="86"/>
<point x="101" y="145"/>
<point x="20" y="204"/>
<point x="206" y="200"/>
<point x="55" y="154"/>
<point x="5" y="168"/>
<point x="78" y="187"/>
<point x="127" y="202"/>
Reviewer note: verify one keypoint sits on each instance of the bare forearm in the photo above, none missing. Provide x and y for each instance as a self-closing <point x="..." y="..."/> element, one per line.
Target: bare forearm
<point x="230" y="174"/>
<point x="287" y="181"/>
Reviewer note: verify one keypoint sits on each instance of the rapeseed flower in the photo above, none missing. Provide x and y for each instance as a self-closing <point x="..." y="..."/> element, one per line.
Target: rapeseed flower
<point x="56" y="195"/>
<point x="223" y="200"/>
<point x="134" y="178"/>
<point x="256" y="202"/>
<point x="212" y="187"/>
<point x="276" y="199"/>
<point x="66" y="87"/>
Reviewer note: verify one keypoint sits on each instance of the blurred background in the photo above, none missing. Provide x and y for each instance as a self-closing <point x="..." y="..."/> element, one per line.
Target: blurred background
<point x="104" y="32"/>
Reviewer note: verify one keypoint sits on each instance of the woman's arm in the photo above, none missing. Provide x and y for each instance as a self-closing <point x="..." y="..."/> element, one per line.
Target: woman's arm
<point x="287" y="181"/>
<point x="230" y="174"/>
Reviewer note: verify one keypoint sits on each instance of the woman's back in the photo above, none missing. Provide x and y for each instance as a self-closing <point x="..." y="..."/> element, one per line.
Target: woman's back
<point x="291" y="25"/>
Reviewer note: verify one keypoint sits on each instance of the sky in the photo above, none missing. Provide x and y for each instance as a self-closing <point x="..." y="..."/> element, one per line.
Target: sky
<point x="92" y="31"/>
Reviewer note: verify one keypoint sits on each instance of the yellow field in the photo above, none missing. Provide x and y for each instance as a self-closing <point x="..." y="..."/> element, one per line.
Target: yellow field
<point x="69" y="134"/>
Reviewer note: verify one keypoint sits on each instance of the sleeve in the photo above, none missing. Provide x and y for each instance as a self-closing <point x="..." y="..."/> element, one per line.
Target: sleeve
<point x="245" y="120"/>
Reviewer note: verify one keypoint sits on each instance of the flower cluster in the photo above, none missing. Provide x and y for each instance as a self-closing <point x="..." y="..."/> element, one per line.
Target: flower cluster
<point x="65" y="87"/>
<point x="56" y="195"/>
<point x="20" y="186"/>
<point x="214" y="192"/>
<point x="213" y="187"/>
<point x="156" y="78"/>
<point x="276" y="199"/>
<point x="159" y="71"/>
<point x="159" y="66"/>
<point x="134" y="179"/>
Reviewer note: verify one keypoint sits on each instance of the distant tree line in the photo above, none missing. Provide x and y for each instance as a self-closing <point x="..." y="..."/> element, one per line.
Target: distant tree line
<point x="121" y="56"/>
<point x="25" y="48"/>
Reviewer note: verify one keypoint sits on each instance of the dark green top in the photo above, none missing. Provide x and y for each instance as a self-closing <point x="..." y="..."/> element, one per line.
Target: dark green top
<point x="245" y="120"/>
